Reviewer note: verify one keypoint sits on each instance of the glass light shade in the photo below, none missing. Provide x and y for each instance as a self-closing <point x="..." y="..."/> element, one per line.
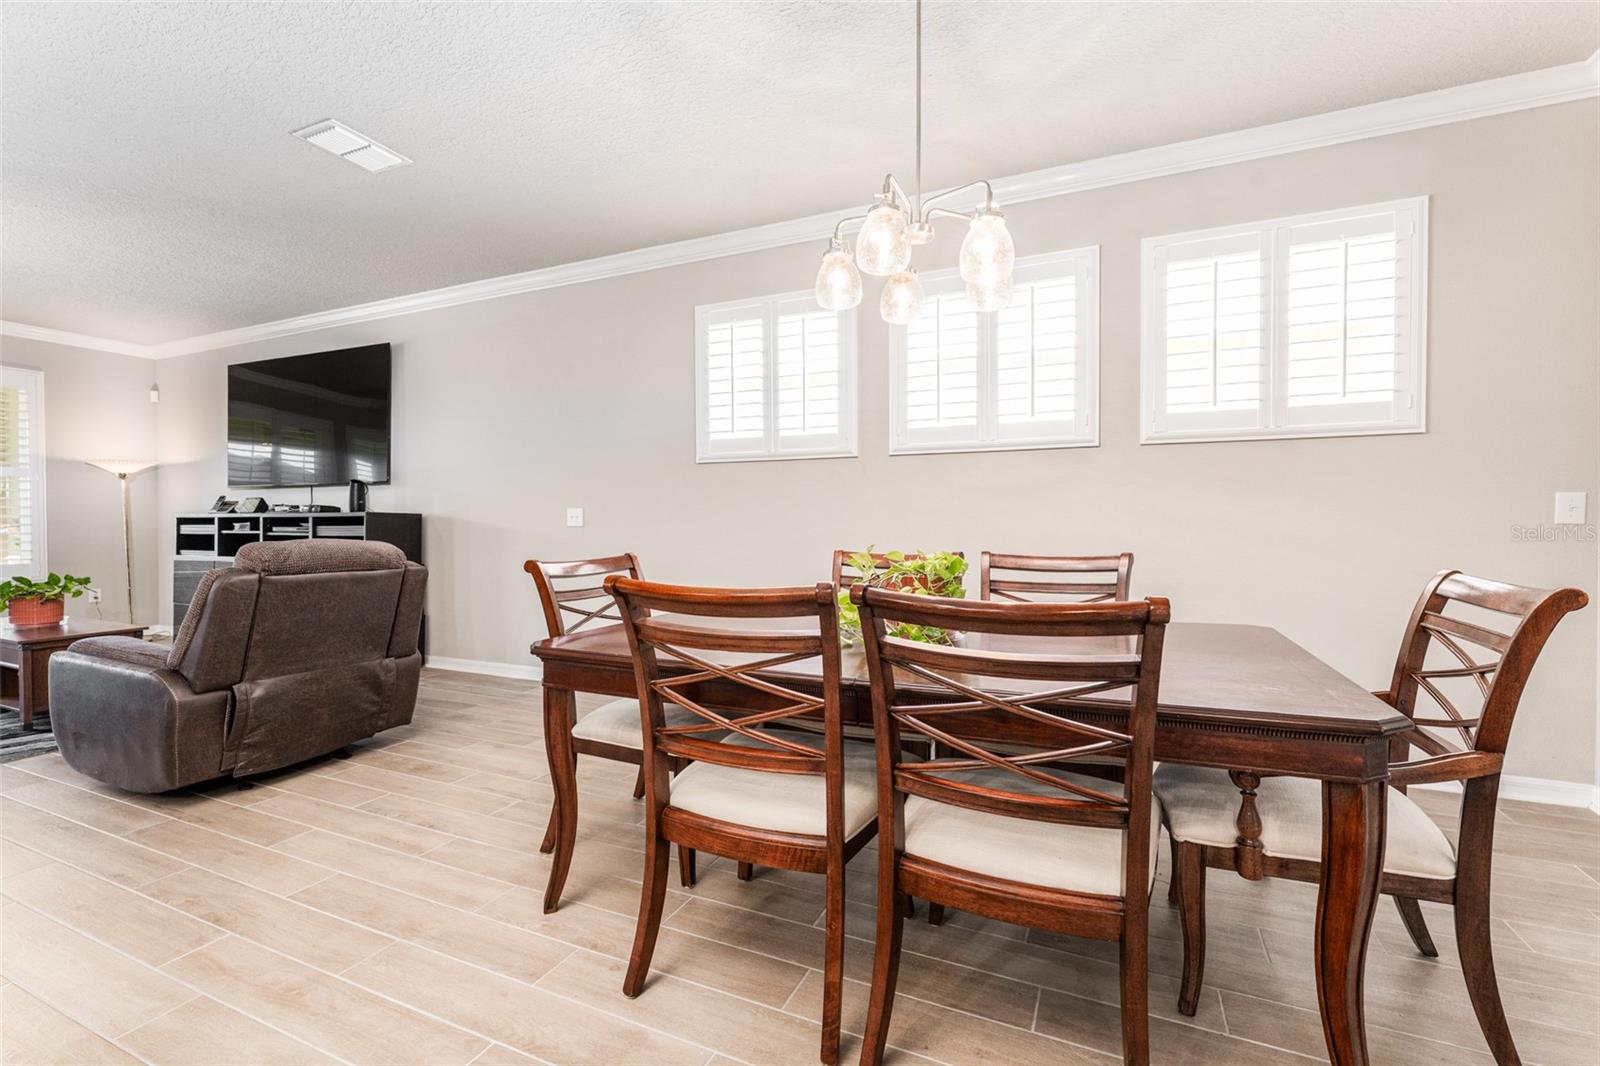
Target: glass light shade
<point x="987" y="254"/>
<point x="902" y="295"/>
<point x="883" y="246"/>
<point x="994" y="297"/>
<point x="838" y="280"/>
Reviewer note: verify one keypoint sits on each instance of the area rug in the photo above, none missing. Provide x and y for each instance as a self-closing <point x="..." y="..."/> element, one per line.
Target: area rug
<point x="19" y="743"/>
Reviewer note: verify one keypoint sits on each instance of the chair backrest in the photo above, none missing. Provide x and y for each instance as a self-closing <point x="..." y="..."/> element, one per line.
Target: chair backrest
<point x="1048" y="657"/>
<point x="577" y="587"/>
<point x="844" y="564"/>
<point x="1088" y="578"/>
<point x="700" y="667"/>
<point x="1457" y="616"/>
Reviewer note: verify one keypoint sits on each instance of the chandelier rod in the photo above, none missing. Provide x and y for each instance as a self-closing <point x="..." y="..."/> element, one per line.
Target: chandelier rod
<point x="919" y="110"/>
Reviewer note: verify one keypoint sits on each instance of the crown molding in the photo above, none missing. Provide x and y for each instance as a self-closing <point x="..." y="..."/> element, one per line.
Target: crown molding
<point x="26" y="332"/>
<point x="1516" y="92"/>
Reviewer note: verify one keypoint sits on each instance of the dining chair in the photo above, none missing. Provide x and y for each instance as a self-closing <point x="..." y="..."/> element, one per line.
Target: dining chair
<point x="612" y="730"/>
<point x="754" y="792"/>
<point x="1272" y="826"/>
<point x="1087" y="578"/>
<point x="1005" y="833"/>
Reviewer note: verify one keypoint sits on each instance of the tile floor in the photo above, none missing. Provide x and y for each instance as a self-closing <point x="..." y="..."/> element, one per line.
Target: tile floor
<point x="386" y="909"/>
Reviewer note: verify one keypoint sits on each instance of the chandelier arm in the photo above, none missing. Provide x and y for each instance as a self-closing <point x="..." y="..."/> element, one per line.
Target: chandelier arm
<point x="893" y="191"/>
<point x="853" y="220"/>
<point x="988" y="197"/>
<point x="931" y="213"/>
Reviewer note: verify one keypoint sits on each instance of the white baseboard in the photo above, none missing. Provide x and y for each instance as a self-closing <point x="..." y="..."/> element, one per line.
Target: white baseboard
<point x="1538" y="790"/>
<point x="1528" y="789"/>
<point x="521" y="671"/>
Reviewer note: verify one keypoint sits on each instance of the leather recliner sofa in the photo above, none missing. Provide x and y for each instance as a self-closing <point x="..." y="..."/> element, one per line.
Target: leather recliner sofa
<point x="297" y="650"/>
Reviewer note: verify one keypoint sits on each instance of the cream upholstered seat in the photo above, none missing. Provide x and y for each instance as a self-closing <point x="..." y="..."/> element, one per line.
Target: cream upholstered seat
<point x="1201" y="804"/>
<point x="619" y="723"/>
<point x="1077" y="858"/>
<point x="784" y="803"/>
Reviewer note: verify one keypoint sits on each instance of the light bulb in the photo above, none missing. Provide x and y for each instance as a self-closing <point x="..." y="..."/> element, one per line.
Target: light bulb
<point x="883" y="246"/>
<point x="902" y="295"/>
<point x="987" y="254"/>
<point x="994" y="297"/>
<point x="838" y="280"/>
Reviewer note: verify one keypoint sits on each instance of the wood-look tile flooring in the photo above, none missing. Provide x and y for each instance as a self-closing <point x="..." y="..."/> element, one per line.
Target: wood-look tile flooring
<point x="386" y="909"/>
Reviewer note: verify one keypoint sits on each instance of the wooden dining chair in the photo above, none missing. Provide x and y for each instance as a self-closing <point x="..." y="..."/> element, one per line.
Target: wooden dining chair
<point x="755" y="792"/>
<point x="1080" y="578"/>
<point x="1005" y="833"/>
<point x="1272" y="827"/>
<point x="612" y="730"/>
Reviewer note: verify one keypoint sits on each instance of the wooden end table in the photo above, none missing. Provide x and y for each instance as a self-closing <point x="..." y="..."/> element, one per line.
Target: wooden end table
<point x="25" y="656"/>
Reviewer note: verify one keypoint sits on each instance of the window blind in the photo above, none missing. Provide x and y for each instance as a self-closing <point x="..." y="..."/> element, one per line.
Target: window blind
<point x="1020" y="377"/>
<point x="1305" y="326"/>
<point x="776" y="380"/>
<point x="21" y="473"/>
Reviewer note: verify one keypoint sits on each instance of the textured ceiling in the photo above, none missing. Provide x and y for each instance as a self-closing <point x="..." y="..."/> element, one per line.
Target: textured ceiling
<point x="150" y="189"/>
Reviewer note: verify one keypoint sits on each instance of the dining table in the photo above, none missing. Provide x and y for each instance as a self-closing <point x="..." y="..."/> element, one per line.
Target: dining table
<point x="1244" y="698"/>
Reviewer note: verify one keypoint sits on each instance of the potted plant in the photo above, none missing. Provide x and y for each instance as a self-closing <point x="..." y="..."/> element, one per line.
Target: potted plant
<point x="922" y="574"/>
<point x="39" y="603"/>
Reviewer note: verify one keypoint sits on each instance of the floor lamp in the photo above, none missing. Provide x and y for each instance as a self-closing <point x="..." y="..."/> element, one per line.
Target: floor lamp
<point x="125" y="469"/>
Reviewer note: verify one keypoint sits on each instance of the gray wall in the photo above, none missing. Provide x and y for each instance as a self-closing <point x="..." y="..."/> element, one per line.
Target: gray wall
<point x="96" y="407"/>
<point x="510" y="410"/>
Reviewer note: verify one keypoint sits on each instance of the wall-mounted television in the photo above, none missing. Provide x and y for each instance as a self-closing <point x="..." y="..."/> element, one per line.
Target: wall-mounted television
<point x="317" y="419"/>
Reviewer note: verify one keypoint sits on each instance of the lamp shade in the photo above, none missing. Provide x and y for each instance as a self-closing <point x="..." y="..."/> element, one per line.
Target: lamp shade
<point x="838" y="281"/>
<point x="883" y="247"/>
<point x="902" y="295"/>
<point x="987" y="253"/>
<point x="122" y="467"/>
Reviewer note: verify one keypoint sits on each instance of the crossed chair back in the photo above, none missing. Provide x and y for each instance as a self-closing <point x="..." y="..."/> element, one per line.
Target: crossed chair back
<point x="1053" y="656"/>
<point x="1079" y="578"/>
<point x="573" y="594"/>
<point x="705" y="667"/>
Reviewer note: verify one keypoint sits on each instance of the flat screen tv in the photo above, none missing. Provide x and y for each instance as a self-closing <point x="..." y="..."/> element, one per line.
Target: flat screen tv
<point x="318" y="419"/>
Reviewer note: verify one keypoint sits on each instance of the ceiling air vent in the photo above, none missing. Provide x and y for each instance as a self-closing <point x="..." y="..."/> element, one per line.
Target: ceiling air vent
<point x="347" y="144"/>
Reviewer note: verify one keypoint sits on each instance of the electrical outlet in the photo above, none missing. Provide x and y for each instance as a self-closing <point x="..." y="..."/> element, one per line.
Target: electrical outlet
<point x="1571" y="508"/>
<point x="92" y="592"/>
<point x="574" y="516"/>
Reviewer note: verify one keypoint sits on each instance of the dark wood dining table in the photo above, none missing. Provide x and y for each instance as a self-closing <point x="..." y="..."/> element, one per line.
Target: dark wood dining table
<point x="1241" y="697"/>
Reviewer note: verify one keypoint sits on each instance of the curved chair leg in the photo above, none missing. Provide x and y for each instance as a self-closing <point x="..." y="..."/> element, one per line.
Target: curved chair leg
<point x="935" y="913"/>
<point x="686" y="866"/>
<point x="652" y="898"/>
<point x="833" y="964"/>
<point x="885" y="972"/>
<point x="1189" y="874"/>
<point x="1477" y="965"/>
<point x="746" y="871"/>
<point x="1172" y="877"/>
<point x="547" y="845"/>
<point x="638" y="785"/>
<point x="1411" y="914"/>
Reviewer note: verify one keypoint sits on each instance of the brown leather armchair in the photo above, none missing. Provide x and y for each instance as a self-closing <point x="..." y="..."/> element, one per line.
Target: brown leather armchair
<point x="297" y="650"/>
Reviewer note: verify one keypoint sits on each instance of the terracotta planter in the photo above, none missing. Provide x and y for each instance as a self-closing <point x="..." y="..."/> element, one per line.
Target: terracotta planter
<point x="33" y="611"/>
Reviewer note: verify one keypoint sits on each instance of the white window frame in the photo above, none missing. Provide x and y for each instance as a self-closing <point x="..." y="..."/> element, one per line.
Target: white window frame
<point x="989" y="435"/>
<point x="773" y="445"/>
<point x="39" y="566"/>
<point x="1274" y="418"/>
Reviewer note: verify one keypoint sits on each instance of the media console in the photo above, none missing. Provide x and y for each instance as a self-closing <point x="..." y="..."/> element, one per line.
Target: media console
<point x="209" y="541"/>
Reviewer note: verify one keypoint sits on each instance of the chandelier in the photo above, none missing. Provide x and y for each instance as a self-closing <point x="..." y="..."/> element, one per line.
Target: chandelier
<point x="896" y="222"/>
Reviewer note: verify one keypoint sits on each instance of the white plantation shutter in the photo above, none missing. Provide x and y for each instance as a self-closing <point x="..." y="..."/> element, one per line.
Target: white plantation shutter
<point x="1306" y="326"/>
<point x="775" y="379"/>
<point x="22" y="538"/>
<point x="1021" y="377"/>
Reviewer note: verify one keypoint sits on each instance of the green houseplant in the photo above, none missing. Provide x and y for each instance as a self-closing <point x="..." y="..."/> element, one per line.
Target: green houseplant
<point x="40" y="603"/>
<point x="920" y="573"/>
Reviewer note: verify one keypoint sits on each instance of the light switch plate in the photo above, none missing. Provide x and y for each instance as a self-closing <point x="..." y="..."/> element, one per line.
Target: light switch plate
<point x="574" y="516"/>
<point x="1572" y="508"/>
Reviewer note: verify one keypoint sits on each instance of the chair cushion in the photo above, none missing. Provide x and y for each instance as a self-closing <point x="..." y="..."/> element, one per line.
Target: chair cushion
<point x="1201" y="804"/>
<point x="620" y="723"/>
<point x="784" y="803"/>
<point x="1072" y="857"/>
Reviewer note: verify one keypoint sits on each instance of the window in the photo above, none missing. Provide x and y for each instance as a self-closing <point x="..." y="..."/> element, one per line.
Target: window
<point x="774" y="379"/>
<point x="22" y="542"/>
<point x="1298" y="327"/>
<point x="1023" y="377"/>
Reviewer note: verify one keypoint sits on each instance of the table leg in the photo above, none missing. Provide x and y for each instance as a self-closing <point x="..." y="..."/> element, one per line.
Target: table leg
<point x="27" y="682"/>
<point x="1353" y="825"/>
<point x="560" y="709"/>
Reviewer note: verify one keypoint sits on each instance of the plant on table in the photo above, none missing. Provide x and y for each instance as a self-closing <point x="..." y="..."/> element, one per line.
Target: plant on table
<point x="921" y="574"/>
<point x="29" y="602"/>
